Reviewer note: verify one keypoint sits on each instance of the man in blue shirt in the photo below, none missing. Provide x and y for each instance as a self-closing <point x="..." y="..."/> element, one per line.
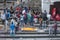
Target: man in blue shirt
<point x="7" y="15"/>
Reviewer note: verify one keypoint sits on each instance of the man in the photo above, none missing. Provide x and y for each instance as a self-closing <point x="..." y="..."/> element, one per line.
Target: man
<point x="7" y="15"/>
<point x="45" y="15"/>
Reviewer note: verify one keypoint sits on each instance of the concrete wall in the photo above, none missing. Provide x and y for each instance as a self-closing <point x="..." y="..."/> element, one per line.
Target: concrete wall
<point x="46" y="4"/>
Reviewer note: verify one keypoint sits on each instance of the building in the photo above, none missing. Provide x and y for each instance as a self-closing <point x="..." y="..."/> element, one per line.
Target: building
<point x="46" y="4"/>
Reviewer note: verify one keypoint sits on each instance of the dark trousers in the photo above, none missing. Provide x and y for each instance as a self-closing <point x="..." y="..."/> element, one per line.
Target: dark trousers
<point x="16" y="29"/>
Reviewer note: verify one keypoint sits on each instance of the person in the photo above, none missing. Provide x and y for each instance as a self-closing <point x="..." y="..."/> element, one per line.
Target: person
<point x="17" y="27"/>
<point x="12" y="28"/>
<point x="25" y="19"/>
<point x="45" y="15"/>
<point x="7" y="15"/>
<point x="31" y="20"/>
<point x="55" y="28"/>
<point x="35" y="18"/>
<point x="26" y="9"/>
<point x="6" y="25"/>
<point x="18" y="9"/>
<point x="5" y="10"/>
<point x="18" y="15"/>
<point x="40" y="20"/>
<point x="3" y="17"/>
<point x="11" y="10"/>
<point x="14" y="16"/>
<point x="22" y="20"/>
<point x="50" y="29"/>
<point x="28" y="17"/>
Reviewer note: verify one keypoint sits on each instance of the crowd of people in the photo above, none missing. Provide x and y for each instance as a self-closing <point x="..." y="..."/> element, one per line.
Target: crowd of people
<point x="22" y="16"/>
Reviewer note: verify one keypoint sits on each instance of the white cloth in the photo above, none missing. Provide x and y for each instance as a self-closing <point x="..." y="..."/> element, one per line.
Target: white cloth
<point x="48" y="16"/>
<point x="23" y="11"/>
<point x="22" y="17"/>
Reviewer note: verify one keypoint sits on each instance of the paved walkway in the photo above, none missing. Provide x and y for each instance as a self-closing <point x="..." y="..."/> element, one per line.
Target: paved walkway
<point x="30" y="39"/>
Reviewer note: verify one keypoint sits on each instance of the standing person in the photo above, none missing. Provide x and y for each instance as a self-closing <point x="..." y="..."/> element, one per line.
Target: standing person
<point x="11" y="10"/>
<point x="25" y="19"/>
<point x="31" y="20"/>
<point x="6" y="25"/>
<point x="22" y="20"/>
<point x="5" y="10"/>
<point x="17" y="27"/>
<point x="28" y="16"/>
<point x="3" y="17"/>
<point x="26" y="9"/>
<point x="12" y="28"/>
<point x="7" y="15"/>
<point x="45" y="15"/>
<point x="40" y="20"/>
<point x="35" y="18"/>
<point x="50" y="29"/>
<point x="55" y="28"/>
